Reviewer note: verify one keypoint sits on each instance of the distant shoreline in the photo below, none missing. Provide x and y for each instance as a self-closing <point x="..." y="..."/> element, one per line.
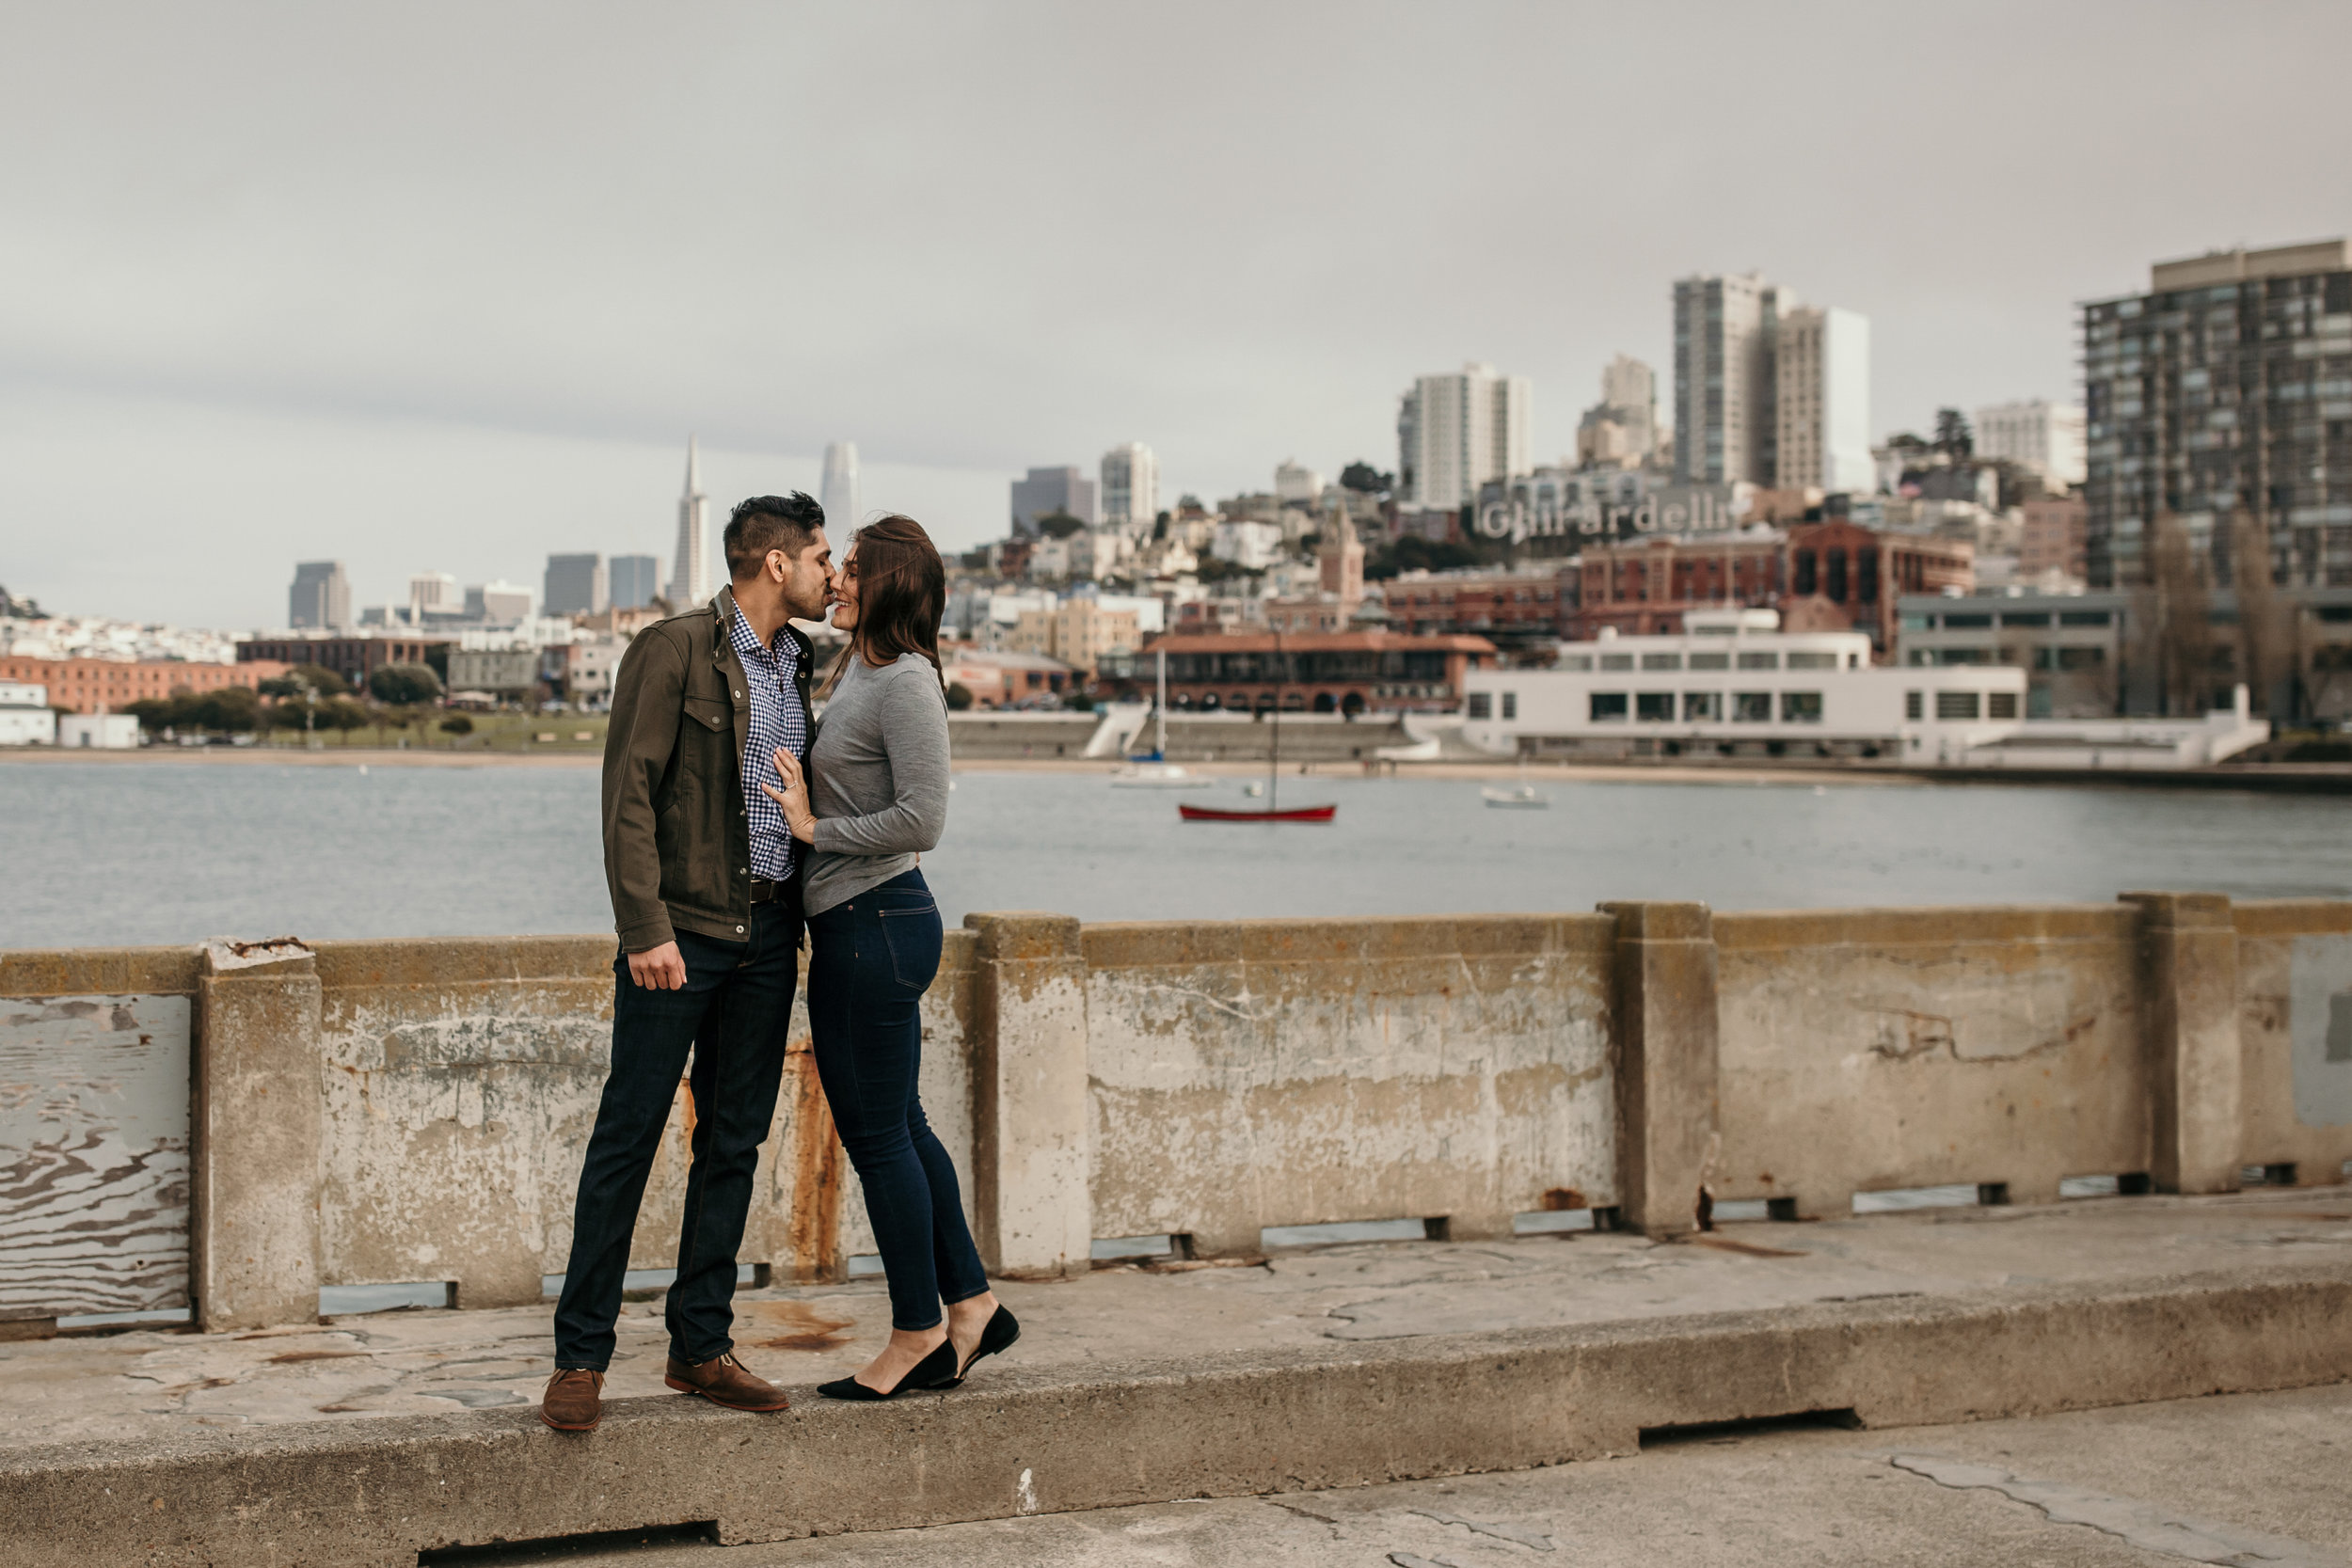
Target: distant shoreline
<point x="385" y="756"/>
<point x="2273" y="778"/>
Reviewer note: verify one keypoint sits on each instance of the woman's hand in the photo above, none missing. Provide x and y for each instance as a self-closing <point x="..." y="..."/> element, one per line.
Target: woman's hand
<point x="793" y="797"/>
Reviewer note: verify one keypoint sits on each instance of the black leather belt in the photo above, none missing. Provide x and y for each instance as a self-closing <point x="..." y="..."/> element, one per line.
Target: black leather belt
<point x="766" y="892"/>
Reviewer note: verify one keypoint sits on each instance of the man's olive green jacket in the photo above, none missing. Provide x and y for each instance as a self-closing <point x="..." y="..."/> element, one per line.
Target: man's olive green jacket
<point x="677" y="850"/>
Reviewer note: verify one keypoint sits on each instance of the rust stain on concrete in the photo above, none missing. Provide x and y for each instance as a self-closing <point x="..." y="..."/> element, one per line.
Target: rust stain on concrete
<point x="813" y="1234"/>
<point x="800" y="1326"/>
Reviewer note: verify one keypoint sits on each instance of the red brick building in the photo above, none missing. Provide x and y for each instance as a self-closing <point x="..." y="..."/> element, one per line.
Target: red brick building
<point x="1821" y="576"/>
<point x="1345" y="672"/>
<point x="110" y="685"/>
<point x="355" y="659"/>
<point x="1509" y="609"/>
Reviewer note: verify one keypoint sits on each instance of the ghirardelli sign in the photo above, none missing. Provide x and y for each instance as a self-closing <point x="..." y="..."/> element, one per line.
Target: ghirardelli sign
<point x="1677" y="509"/>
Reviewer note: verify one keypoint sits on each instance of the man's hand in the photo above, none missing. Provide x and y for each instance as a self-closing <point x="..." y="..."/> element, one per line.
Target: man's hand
<point x="661" y="968"/>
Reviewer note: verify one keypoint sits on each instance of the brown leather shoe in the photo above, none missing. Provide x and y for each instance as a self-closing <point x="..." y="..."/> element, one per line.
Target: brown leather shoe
<point x="723" y="1380"/>
<point x="574" y="1400"/>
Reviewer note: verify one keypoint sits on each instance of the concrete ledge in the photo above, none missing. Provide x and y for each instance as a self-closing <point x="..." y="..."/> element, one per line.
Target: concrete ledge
<point x="101" y="972"/>
<point x="1756" y="930"/>
<point x="1018" y="1443"/>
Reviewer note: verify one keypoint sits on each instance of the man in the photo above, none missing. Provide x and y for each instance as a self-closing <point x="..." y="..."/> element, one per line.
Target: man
<point x="705" y="887"/>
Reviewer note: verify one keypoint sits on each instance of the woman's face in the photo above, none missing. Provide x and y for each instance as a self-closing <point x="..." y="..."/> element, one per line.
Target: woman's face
<point x="843" y="594"/>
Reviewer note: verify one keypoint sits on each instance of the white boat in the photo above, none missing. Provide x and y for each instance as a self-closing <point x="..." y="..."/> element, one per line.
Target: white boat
<point x="1153" y="772"/>
<point x="1523" y="798"/>
<point x="1158" y="775"/>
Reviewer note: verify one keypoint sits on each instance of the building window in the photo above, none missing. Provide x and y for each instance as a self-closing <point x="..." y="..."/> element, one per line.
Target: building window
<point x="1759" y="661"/>
<point x="1799" y="659"/>
<point x="1661" y="661"/>
<point x="1967" y="623"/>
<point x="1702" y="707"/>
<point x="1956" y="704"/>
<point x="1617" y="661"/>
<point x="1751" y="708"/>
<point x="1654" y="707"/>
<point x="1915" y="704"/>
<point x="2084" y="618"/>
<point x="1575" y="661"/>
<point x="1799" y="707"/>
<point x="1509" y="705"/>
<point x="2000" y="705"/>
<point x="1607" y="708"/>
<point x="1482" y="706"/>
<point x="1711" y="661"/>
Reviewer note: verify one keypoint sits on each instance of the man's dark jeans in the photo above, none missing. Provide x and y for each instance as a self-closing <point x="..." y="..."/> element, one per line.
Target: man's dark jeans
<point x="732" y="1014"/>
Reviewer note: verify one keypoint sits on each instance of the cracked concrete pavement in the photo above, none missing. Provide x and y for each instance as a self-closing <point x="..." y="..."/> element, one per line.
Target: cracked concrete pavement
<point x="2236" y="1480"/>
<point x="355" y="1368"/>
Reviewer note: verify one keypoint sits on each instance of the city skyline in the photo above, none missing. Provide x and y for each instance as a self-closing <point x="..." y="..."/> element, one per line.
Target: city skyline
<point x="472" y="333"/>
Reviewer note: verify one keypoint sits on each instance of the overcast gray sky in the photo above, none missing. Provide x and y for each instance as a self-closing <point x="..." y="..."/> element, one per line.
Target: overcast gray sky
<point x="446" y="286"/>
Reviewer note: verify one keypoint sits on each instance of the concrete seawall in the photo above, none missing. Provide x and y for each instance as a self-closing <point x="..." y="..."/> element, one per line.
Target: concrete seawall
<point x="414" y="1111"/>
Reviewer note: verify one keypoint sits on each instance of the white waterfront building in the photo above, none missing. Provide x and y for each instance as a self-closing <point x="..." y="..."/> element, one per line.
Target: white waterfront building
<point x="26" y="717"/>
<point x="1732" y="681"/>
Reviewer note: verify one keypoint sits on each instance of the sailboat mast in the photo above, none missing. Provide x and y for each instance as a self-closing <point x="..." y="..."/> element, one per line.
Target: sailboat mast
<point x="1162" y="748"/>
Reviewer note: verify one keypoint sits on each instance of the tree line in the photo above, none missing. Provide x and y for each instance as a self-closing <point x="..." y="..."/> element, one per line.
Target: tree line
<point x="310" y="696"/>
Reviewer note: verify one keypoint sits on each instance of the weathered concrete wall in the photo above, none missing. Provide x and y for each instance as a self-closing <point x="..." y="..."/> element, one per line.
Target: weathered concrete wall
<point x="2294" y="1021"/>
<point x="400" y="1111"/>
<point x="1252" y="1073"/>
<point x="1871" y="1049"/>
<point x="461" y="1079"/>
<point x="94" y="1130"/>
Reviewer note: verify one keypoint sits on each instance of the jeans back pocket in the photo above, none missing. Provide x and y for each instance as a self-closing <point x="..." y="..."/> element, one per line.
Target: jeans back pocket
<point x="913" y="938"/>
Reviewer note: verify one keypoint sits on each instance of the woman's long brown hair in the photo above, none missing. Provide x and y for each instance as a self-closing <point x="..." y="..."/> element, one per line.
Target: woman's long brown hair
<point x="901" y="595"/>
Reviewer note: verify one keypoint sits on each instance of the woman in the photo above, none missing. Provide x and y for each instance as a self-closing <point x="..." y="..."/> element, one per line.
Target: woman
<point x="874" y="797"/>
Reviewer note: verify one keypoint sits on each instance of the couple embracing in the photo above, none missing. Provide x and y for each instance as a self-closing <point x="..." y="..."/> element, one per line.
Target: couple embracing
<point x="734" y="821"/>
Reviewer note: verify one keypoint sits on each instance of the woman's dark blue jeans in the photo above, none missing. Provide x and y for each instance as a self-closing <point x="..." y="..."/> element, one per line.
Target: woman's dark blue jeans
<point x="870" y="959"/>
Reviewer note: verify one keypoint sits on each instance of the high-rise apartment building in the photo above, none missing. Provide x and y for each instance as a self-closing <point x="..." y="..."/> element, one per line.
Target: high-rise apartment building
<point x="1621" y="430"/>
<point x="2224" y="390"/>
<point x="1726" y="383"/>
<point x="1130" y="487"/>
<point x="690" y="563"/>
<point x="633" y="581"/>
<point x="2046" y="437"/>
<point x="837" y="492"/>
<point x="1822" y="401"/>
<point x="1050" y="490"/>
<point x="576" y="585"/>
<point x="1456" y="432"/>
<point x="321" y="597"/>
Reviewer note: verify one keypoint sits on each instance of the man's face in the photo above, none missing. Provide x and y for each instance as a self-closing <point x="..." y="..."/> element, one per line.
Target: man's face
<point x="807" y="577"/>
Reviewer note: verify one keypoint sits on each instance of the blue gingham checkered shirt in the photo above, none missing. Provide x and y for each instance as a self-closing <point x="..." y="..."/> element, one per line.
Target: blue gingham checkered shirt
<point x="776" y="720"/>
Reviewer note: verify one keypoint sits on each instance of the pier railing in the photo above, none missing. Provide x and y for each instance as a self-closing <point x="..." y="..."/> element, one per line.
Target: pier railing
<point x="235" y="1126"/>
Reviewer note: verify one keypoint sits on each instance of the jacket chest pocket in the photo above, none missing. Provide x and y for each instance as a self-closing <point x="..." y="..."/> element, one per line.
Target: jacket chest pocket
<point x="709" y="714"/>
<point x="707" y="739"/>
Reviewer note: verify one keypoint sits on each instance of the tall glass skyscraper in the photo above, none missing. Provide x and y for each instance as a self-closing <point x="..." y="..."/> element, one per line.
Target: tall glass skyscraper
<point x="838" y="495"/>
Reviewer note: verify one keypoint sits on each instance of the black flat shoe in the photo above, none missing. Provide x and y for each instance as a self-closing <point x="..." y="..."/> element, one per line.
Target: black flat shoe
<point x="1002" y="1330"/>
<point x="935" y="1370"/>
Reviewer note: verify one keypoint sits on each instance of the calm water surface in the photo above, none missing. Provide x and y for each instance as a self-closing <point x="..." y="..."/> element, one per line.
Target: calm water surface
<point x="165" y="852"/>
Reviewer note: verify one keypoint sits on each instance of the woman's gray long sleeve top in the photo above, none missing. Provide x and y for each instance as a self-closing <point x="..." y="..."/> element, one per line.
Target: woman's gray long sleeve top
<point x="878" y="777"/>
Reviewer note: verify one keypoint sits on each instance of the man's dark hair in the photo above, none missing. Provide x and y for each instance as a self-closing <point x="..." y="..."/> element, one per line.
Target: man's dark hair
<point x="766" y="523"/>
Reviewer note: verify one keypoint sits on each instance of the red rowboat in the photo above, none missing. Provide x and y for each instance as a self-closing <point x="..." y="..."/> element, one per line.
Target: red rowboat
<point x="1217" y="813"/>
